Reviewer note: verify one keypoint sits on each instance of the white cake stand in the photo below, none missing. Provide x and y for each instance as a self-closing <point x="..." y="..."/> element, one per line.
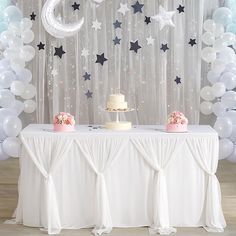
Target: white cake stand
<point x="117" y="124"/>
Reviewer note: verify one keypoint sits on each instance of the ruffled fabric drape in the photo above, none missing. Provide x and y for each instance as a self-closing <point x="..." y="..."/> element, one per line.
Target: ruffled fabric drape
<point x="158" y="153"/>
<point x="100" y="160"/>
<point x="47" y="159"/>
<point x="205" y="151"/>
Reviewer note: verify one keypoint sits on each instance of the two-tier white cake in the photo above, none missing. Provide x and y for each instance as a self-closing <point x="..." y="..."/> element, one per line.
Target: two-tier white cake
<point x="117" y="103"/>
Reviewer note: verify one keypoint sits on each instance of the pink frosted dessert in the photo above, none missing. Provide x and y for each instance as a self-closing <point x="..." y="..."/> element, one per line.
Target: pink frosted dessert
<point x="177" y="122"/>
<point x="64" y="122"/>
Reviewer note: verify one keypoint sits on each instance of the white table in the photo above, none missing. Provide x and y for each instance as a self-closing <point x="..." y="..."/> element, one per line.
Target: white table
<point x="98" y="178"/>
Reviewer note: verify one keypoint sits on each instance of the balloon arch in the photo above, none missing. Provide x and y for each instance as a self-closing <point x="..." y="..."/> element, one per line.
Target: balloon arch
<point x="16" y="92"/>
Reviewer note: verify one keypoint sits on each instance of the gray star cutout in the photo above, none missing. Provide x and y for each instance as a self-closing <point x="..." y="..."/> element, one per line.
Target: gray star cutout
<point x="87" y="76"/>
<point x="134" y="46"/>
<point x="117" y="24"/>
<point x="89" y="94"/>
<point x="116" y="40"/>
<point x="137" y="7"/>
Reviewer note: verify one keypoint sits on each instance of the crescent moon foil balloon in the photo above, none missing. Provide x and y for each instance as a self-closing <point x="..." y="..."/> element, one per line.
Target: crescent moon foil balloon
<point x="53" y="26"/>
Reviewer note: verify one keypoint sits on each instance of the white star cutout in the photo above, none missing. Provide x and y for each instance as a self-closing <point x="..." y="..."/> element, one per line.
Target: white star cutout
<point x="96" y="24"/>
<point x="150" y="40"/>
<point x="123" y="8"/>
<point x="84" y="52"/>
<point x="164" y="17"/>
<point x="54" y="72"/>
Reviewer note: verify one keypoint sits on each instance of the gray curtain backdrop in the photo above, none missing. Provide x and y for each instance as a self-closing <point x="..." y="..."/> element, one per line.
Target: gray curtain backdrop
<point x="146" y="78"/>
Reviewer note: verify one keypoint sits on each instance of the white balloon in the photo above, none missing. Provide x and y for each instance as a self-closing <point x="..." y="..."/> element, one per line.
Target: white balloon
<point x="219" y="30"/>
<point x="18" y="107"/>
<point x="208" y="38"/>
<point x="223" y="127"/>
<point x="228" y="37"/>
<point x="219" y="109"/>
<point x="3" y="155"/>
<point x="213" y="77"/>
<point x="27" y="53"/>
<point x="206" y="108"/>
<point x="226" y="148"/>
<point x="218" y="89"/>
<point x="218" y="66"/>
<point x="25" y="24"/>
<point x="17" y="64"/>
<point x="227" y="55"/>
<point x="219" y="45"/>
<point x="206" y="93"/>
<point x="14" y="27"/>
<point x="6" y="36"/>
<point x="17" y="87"/>
<point x="53" y="26"/>
<point x="2" y="134"/>
<point x="12" y="126"/>
<point x="231" y="67"/>
<point x="4" y="112"/>
<point x="29" y="106"/>
<point x="229" y="99"/>
<point x="208" y="54"/>
<point x="27" y="36"/>
<point x="11" y="146"/>
<point x="11" y="53"/>
<point x="6" y="78"/>
<point x="15" y="43"/>
<point x="232" y="116"/>
<point x="229" y="80"/>
<point x="29" y="92"/>
<point x="6" y="98"/>
<point x="4" y="65"/>
<point x="233" y="135"/>
<point x="24" y="75"/>
<point x="209" y="25"/>
<point x="232" y="157"/>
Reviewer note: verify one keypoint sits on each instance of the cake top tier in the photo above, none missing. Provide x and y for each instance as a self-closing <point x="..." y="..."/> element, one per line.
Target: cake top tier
<point x="177" y="117"/>
<point x="64" y="118"/>
<point x="117" y="97"/>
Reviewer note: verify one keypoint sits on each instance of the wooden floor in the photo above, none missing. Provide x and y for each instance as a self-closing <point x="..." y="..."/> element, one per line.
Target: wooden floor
<point x="9" y="172"/>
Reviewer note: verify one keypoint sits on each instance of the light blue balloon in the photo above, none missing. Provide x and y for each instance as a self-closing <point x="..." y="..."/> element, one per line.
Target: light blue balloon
<point x="223" y="15"/>
<point x="4" y="4"/>
<point x="12" y="14"/>
<point x="231" y="28"/>
<point x="231" y="4"/>
<point x="3" y="27"/>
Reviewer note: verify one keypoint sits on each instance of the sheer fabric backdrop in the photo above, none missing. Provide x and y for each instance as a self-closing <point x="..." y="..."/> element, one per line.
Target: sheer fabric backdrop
<point x="146" y="78"/>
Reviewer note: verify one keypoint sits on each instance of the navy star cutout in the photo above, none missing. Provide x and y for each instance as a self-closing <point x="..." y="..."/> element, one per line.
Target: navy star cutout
<point x="134" y="46"/>
<point x="87" y="76"/>
<point x="117" y="24"/>
<point x="76" y="6"/>
<point x="137" y="7"/>
<point x="89" y="94"/>
<point x="59" y="52"/>
<point x="180" y="9"/>
<point x="32" y="16"/>
<point x="177" y="80"/>
<point x="164" y="47"/>
<point x="192" y="42"/>
<point x="147" y="19"/>
<point x="41" y="46"/>
<point x="116" y="40"/>
<point x="101" y="59"/>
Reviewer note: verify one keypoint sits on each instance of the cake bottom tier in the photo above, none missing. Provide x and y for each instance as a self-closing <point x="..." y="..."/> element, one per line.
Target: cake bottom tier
<point x="122" y="125"/>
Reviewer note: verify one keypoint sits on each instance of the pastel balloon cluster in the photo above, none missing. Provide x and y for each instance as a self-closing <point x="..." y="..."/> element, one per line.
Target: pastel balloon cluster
<point x="16" y="92"/>
<point x="219" y="96"/>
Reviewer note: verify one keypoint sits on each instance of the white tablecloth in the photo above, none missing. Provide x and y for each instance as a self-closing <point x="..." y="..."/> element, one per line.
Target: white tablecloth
<point x="98" y="178"/>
